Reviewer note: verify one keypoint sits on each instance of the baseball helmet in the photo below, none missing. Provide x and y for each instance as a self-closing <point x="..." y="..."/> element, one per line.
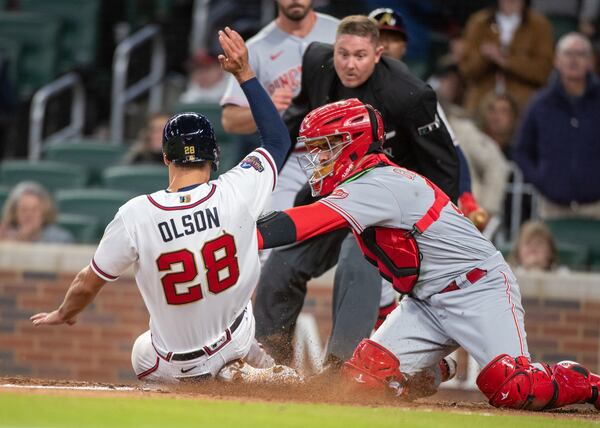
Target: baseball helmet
<point x="190" y="138"/>
<point x="337" y="136"/>
<point x="389" y="20"/>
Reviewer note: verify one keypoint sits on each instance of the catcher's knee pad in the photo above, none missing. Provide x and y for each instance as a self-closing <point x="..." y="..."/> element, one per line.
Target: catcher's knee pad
<point x="516" y="383"/>
<point x="374" y="367"/>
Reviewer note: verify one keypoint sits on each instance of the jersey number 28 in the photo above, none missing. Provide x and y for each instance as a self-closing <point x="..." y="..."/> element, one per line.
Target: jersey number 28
<point x="222" y="247"/>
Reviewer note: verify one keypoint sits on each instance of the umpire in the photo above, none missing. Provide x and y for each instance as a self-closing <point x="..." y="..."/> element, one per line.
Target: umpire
<point x="416" y="138"/>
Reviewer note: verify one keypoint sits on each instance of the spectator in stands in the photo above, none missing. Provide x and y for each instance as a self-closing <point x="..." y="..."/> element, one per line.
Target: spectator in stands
<point x="488" y="167"/>
<point x="392" y="32"/>
<point x="29" y="215"/>
<point x="148" y="147"/>
<point x="535" y="248"/>
<point x="557" y="145"/>
<point x="497" y="116"/>
<point x="207" y="81"/>
<point x="508" y="50"/>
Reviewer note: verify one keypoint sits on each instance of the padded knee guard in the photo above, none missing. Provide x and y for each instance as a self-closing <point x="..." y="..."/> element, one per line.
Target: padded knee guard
<point x="516" y="383"/>
<point x="374" y="367"/>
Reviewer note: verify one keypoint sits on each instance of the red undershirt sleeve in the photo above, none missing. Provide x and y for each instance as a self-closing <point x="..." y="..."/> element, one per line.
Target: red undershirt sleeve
<point x="298" y="224"/>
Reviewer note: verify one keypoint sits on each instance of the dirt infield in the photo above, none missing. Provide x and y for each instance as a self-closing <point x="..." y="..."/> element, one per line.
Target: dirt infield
<point x="321" y="391"/>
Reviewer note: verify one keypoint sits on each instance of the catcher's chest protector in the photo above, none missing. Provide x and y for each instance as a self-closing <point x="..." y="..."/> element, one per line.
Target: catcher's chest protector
<point x="394" y="251"/>
<point x="395" y="254"/>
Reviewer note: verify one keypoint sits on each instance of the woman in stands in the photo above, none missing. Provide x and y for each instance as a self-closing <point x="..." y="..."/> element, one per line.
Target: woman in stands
<point x="148" y="147"/>
<point x="30" y="215"/>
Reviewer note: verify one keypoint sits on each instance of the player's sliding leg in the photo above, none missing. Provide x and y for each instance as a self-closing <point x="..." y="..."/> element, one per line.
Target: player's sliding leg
<point x="518" y="384"/>
<point x="241" y="371"/>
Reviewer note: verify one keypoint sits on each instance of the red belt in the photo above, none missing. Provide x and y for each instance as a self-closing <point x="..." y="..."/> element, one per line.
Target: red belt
<point x="472" y="276"/>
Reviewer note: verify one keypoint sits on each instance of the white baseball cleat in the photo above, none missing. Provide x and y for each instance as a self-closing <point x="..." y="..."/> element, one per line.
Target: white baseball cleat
<point x="240" y="371"/>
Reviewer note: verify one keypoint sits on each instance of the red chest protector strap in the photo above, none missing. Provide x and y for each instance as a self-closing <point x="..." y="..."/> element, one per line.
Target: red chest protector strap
<point x="395" y="251"/>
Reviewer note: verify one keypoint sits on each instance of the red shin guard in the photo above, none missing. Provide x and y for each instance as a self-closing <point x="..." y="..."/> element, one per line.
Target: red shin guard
<point x="374" y="367"/>
<point x="516" y="383"/>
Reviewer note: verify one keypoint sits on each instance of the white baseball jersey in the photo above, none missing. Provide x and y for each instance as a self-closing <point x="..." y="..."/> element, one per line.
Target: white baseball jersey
<point x="194" y="252"/>
<point x="276" y="57"/>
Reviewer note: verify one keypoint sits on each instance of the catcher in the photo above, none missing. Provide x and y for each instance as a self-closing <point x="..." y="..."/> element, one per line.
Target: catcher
<point x="458" y="289"/>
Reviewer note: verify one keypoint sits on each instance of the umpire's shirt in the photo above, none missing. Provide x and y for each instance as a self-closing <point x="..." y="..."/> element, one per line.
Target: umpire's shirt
<point x="416" y="137"/>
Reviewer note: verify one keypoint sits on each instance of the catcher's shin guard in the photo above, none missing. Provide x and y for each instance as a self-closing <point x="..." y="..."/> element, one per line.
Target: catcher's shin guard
<point x="374" y="367"/>
<point x="516" y="383"/>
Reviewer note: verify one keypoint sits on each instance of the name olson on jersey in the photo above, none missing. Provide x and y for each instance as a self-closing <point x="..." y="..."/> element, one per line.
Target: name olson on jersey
<point x="188" y="224"/>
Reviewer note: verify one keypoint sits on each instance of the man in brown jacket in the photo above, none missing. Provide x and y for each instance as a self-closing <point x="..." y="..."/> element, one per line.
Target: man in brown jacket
<point x="509" y="48"/>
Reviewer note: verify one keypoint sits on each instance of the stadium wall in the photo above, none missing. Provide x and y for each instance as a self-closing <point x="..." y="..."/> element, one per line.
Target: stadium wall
<point x="562" y="317"/>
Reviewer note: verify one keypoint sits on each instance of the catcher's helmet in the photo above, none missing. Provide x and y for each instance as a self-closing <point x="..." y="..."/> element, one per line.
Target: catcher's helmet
<point x="190" y="138"/>
<point x="389" y="20"/>
<point x="337" y="136"/>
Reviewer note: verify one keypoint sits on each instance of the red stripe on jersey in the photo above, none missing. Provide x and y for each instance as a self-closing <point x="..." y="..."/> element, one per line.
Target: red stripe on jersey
<point x="183" y="207"/>
<point x="344" y="213"/>
<point x="512" y="308"/>
<point x="268" y="157"/>
<point x="150" y="370"/>
<point x="101" y="272"/>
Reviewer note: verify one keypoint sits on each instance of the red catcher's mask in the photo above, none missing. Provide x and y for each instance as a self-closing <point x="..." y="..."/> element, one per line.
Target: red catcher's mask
<point x="337" y="136"/>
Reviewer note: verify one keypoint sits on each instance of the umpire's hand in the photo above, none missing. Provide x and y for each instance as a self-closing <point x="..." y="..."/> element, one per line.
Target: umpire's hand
<point x="235" y="55"/>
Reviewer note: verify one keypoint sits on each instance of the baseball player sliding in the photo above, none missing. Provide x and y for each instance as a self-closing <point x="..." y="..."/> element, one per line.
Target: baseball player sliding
<point x="458" y="289"/>
<point x="193" y="246"/>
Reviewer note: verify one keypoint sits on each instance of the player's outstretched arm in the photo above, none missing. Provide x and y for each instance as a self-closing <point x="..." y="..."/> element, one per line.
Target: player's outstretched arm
<point x="82" y="291"/>
<point x="297" y="224"/>
<point x="273" y="132"/>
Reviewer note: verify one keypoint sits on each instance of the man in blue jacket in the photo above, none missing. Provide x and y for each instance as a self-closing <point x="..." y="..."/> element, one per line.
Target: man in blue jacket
<point x="558" y="145"/>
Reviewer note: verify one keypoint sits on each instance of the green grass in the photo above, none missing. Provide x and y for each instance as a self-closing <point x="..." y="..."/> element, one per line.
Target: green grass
<point x="23" y="410"/>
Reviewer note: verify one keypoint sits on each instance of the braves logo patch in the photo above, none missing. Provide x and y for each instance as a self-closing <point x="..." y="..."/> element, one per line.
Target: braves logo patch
<point x="338" y="194"/>
<point x="252" y="162"/>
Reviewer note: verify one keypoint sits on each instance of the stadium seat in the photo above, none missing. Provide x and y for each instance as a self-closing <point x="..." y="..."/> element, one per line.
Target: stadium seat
<point x="11" y="51"/>
<point x="578" y="231"/>
<point x="52" y="175"/>
<point x="562" y="25"/>
<point x="38" y="36"/>
<point x="101" y="204"/>
<point x="139" y="179"/>
<point x="79" y="34"/>
<point x="84" y="228"/>
<point x="93" y="155"/>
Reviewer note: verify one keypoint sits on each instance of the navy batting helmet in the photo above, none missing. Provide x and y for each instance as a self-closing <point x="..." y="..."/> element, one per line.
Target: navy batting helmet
<point x="389" y="20"/>
<point x="190" y="138"/>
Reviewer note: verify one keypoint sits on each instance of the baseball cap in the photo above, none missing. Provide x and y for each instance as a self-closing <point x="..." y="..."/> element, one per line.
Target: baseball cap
<point x="389" y="20"/>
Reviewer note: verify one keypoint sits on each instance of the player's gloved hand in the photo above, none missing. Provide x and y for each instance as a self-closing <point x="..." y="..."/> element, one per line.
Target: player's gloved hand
<point x="234" y="58"/>
<point x="472" y="210"/>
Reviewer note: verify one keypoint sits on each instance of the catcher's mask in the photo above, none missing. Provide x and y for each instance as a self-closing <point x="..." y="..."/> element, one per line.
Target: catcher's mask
<point x="337" y="136"/>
